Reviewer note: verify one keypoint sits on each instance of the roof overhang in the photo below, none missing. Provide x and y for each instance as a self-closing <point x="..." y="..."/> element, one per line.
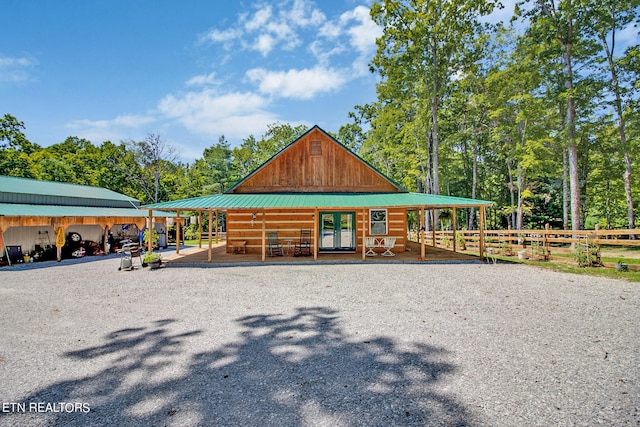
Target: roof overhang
<point x="28" y="210"/>
<point x="319" y="200"/>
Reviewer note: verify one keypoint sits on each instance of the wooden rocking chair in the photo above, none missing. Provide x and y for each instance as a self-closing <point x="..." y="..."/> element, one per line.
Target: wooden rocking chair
<point x="275" y="247"/>
<point x="303" y="247"/>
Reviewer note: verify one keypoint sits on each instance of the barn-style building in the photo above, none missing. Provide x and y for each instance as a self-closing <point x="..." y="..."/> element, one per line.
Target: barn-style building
<point x="34" y="213"/>
<point x="317" y="185"/>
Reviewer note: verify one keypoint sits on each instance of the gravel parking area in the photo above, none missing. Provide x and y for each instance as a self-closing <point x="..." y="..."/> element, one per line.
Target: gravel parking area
<point x="317" y="345"/>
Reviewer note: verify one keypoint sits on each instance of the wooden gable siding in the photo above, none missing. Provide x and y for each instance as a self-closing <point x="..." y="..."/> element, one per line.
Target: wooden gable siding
<point x="241" y="226"/>
<point x="315" y="163"/>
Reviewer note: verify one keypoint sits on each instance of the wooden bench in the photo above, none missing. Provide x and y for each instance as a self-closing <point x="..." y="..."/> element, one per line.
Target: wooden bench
<point x="239" y="247"/>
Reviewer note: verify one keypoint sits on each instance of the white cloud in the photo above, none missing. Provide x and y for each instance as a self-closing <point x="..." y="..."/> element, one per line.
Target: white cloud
<point x="15" y="69"/>
<point x="363" y="35"/>
<point x="259" y="19"/>
<point x="330" y="30"/>
<point x="235" y="115"/>
<point x="264" y="44"/>
<point x="223" y="36"/>
<point x="304" y="14"/>
<point x="202" y="80"/>
<point x="323" y="53"/>
<point x="354" y="31"/>
<point x="113" y="130"/>
<point x="270" y="26"/>
<point x="297" y="84"/>
<point x="129" y="121"/>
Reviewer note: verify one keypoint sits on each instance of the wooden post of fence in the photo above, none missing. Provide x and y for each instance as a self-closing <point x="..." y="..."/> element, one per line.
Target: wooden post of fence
<point x="597" y="238"/>
<point x="547" y="249"/>
<point x="510" y="237"/>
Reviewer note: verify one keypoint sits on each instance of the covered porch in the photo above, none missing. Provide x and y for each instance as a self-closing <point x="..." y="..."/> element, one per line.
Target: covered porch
<point x="250" y="218"/>
<point x="194" y="256"/>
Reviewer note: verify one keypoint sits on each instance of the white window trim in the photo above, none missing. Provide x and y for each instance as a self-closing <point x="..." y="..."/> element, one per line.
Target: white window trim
<point x="386" y="222"/>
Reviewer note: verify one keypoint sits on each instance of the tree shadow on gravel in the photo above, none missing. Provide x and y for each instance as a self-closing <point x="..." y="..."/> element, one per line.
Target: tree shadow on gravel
<point x="284" y="370"/>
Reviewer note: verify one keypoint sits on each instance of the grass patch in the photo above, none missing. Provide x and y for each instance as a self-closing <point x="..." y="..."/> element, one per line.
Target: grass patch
<point x="622" y="259"/>
<point x="565" y="267"/>
<point x="194" y="242"/>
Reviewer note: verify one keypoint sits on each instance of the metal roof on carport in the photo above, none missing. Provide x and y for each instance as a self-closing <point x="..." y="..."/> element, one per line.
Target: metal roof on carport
<point x="17" y="209"/>
<point x="32" y="191"/>
<point x="317" y="200"/>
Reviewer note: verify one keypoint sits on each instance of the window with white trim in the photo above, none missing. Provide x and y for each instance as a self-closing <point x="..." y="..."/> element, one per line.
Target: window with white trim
<point x="377" y="221"/>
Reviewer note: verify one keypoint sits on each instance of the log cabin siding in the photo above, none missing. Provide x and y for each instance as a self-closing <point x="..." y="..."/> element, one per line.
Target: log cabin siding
<point x="288" y="222"/>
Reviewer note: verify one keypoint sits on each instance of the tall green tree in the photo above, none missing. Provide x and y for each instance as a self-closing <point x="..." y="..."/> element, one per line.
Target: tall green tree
<point x="424" y="44"/>
<point x="218" y="167"/>
<point x="155" y="158"/>
<point x="75" y="160"/>
<point x="560" y="27"/>
<point x="606" y="19"/>
<point x="15" y="148"/>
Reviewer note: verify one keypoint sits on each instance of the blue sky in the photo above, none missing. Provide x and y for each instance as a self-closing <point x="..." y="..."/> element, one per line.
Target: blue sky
<point x="189" y="71"/>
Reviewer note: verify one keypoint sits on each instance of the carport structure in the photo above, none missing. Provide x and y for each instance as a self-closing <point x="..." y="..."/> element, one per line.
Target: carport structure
<point x="29" y="207"/>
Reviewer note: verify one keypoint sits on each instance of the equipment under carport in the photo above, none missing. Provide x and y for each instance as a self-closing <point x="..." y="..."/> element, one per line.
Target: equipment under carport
<point x="44" y="250"/>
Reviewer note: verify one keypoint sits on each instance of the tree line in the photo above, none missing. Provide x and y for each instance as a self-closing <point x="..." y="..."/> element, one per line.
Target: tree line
<point x="149" y="170"/>
<point x="540" y="116"/>
<point x="542" y="119"/>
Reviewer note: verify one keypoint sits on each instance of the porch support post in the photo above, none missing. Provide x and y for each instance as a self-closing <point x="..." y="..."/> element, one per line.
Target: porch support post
<point x="481" y="242"/>
<point x="315" y="234"/>
<point x="150" y="232"/>
<point x="264" y="236"/>
<point x="453" y="223"/>
<point x="364" y="233"/>
<point x="178" y="232"/>
<point x="200" y="229"/>
<point x="216" y="229"/>
<point x="433" y="227"/>
<point x="209" y="258"/>
<point x="423" y="223"/>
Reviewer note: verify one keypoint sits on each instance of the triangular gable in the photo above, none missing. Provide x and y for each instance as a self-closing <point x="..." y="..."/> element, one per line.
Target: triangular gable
<point x="316" y="163"/>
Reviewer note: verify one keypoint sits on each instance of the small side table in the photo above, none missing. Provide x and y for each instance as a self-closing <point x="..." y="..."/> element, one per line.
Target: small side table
<point x="240" y="247"/>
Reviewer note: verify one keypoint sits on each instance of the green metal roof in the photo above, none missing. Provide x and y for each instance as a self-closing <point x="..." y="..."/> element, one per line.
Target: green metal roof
<point x="18" y="209"/>
<point x="318" y="200"/>
<point x="33" y="191"/>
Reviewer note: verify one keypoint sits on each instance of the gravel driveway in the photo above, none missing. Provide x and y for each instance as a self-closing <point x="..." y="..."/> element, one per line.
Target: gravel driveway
<point x="326" y="345"/>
